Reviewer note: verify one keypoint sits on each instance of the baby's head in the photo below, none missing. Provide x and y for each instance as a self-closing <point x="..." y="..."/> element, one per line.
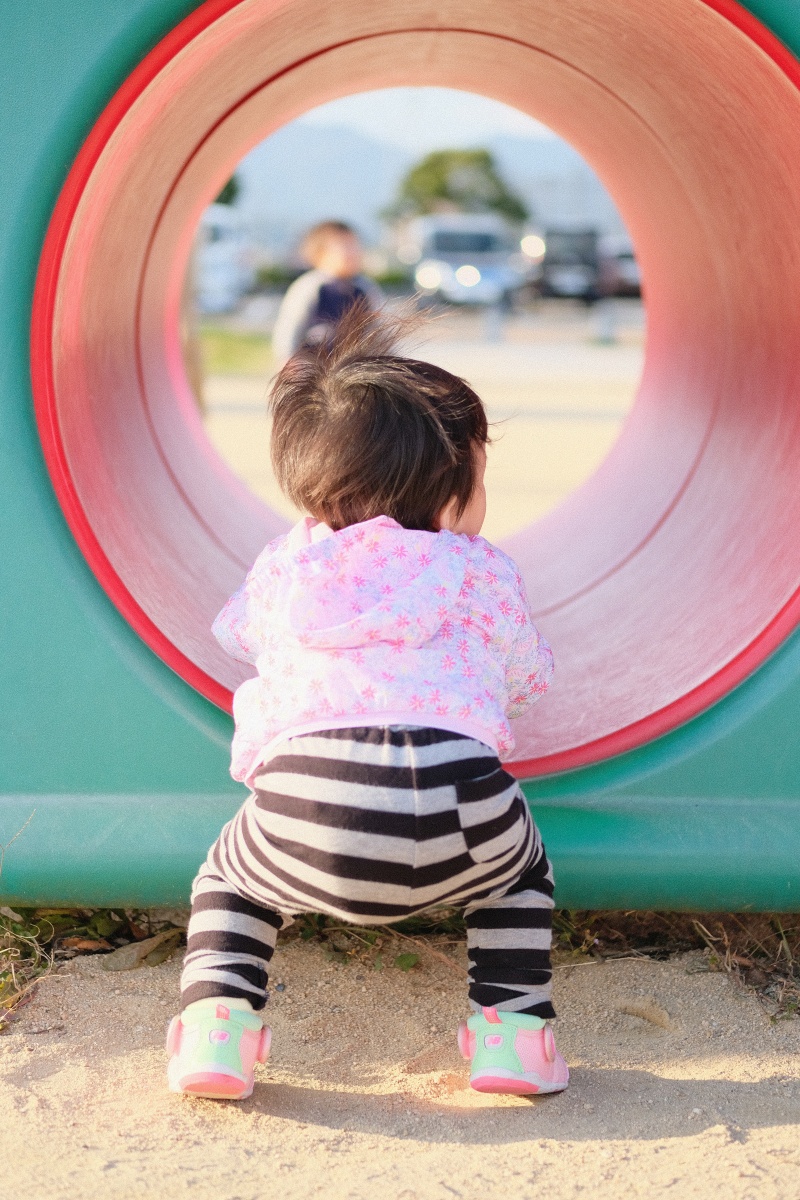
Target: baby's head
<point x="333" y="247"/>
<point x="359" y="432"/>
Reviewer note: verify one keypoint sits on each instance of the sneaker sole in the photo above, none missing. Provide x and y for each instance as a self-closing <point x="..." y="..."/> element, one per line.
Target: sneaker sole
<point x="514" y="1085"/>
<point x="212" y="1086"/>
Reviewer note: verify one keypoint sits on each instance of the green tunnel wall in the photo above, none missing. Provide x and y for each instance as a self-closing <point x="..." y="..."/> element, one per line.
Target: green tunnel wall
<point x="118" y="770"/>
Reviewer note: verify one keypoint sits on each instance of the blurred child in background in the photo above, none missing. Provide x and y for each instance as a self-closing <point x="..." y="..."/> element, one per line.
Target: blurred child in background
<point x="316" y="302"/>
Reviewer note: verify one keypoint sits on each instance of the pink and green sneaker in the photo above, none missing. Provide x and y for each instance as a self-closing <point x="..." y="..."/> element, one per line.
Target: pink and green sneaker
<point x="213" y="1052"/>
<point x="511" y="1052"/>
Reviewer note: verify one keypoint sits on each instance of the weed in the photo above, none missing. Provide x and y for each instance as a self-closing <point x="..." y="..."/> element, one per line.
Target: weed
<point x="404" y="962"/>
<point x="34" y="940"/>
<point x="761" y="950"/>
<point x="24" y="959"/>
<point x="432" y="933"/>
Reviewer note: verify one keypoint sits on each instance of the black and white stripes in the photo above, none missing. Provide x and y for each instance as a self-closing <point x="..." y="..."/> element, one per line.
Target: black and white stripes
<point x="371" y="825"/>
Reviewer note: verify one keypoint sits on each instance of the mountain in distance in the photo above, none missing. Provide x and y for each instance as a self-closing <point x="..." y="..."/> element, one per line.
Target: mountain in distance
<point x="303" y="174"/>
<point x="306" y="173"/>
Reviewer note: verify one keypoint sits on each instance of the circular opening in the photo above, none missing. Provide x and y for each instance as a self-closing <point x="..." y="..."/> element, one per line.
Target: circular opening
<point x="674" y="570"/>
<point x="557" y="372"/>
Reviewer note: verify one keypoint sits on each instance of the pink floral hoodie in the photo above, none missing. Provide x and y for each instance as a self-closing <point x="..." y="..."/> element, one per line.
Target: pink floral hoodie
<point x="380" y="625"/>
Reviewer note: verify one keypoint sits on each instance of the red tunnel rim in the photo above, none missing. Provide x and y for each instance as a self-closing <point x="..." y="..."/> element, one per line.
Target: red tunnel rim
<point x="630" y="737"/>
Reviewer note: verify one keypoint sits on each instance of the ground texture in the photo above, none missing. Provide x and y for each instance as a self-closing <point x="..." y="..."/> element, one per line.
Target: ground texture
<point x="682" y="1085"/>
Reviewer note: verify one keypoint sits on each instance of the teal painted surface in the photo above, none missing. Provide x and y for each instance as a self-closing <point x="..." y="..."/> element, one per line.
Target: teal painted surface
<point x="125" y="768"/>
<point x="123" y="848"/>
<point x="781" y="17"/>
<point x="609" y="851"/>
<point x="690" y="854"/>
<point x="85" y="706"/>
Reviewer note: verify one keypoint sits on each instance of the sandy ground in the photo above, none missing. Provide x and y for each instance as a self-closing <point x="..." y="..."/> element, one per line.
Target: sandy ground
<point x="365" y="1095"/>
<point x="557" y="394"/>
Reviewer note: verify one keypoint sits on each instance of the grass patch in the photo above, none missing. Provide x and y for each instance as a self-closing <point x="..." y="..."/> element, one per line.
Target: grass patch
<point x="34" y="940"/>
<point x="760" y="950"/>
<point x="231" y="352"/>
<point x="24" y="959"/>
<point x="404" y="945"/>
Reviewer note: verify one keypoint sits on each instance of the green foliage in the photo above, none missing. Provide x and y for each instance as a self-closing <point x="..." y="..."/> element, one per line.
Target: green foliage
<point x="230" y="192"/>
<point x="34" y="940"/>
<point x="457" y="180"/>
<point x="395" y="279"/>
<point x="405" y="962"/>
<point x="437" y="921"/>
<point x="274" y="276"/>
<point x="761" y="949"/>
<point x="23" y="959"/>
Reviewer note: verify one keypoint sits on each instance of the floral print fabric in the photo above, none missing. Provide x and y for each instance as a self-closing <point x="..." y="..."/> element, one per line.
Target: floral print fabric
<point x="377" y="624"/>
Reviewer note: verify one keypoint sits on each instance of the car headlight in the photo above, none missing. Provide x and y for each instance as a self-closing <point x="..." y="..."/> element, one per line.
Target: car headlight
<point x="533" y="247"/>
<point x="428" y="276"/>
<point x="468" y="276"/>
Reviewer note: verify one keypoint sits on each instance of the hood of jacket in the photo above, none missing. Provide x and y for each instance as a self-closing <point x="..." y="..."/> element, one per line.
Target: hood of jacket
<point x="371" y="582"/>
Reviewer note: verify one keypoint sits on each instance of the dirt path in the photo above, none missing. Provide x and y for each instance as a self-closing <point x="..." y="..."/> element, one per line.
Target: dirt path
<point x="366" y="1097"/>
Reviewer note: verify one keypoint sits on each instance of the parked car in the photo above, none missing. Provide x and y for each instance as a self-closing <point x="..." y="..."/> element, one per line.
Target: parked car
<point x="465" y="258"/>
<point x="222" y="267"/>
<point x="619" y="270"/>
<point x="571" y="264"/>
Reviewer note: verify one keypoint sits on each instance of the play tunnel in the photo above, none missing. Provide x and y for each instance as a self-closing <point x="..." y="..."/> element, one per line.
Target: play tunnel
<point x="663" y="766"/>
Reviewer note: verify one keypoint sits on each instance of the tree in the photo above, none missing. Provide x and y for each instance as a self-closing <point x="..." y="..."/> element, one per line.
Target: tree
<point x="230" y="192"/>
<point x="457" y="181"/>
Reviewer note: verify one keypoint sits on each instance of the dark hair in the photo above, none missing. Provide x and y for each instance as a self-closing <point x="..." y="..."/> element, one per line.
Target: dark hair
<point x="318" y="236"/>
<point x="360" y="432"/>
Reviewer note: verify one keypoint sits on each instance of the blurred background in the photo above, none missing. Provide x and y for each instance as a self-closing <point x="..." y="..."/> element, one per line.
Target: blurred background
<point x="480" y="214"/>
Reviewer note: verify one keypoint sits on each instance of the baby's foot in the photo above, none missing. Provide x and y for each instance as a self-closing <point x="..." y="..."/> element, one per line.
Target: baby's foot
<point x="511" y="1052"/>
<point x="213" y="1050"/>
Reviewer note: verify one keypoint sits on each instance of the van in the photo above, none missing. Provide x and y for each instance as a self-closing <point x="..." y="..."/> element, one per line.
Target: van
<point x="465" y="258"/>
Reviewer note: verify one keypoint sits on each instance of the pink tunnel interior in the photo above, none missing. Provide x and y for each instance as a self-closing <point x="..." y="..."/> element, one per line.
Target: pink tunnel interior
<point x="674" y="570"/>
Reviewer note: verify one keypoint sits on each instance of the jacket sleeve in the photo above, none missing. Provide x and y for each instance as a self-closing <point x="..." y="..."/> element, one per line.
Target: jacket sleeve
<point x="294" y="316"/>
<point x="239" y="628"/>
<point x="234" y="630"/>
<point x="529" y="666"/>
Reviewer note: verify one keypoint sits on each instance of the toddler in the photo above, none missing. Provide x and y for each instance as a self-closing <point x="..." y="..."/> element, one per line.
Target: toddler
<point x="316" y="302"/>
<point x="392" y="644"/>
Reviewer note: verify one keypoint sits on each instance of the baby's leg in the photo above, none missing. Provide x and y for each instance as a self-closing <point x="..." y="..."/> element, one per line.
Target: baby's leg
<point x="507" y="1039"/>
<point x="230" y="943"/>
<point x="218" y="1038"/>
<point x="508" y="945"/>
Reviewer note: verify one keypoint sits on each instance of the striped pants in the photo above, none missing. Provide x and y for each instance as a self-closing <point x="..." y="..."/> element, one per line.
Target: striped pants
<point x="372" y="825"/>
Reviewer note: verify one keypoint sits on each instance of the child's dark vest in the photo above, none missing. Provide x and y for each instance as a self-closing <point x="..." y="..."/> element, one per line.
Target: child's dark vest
<point x="334" y="299"/>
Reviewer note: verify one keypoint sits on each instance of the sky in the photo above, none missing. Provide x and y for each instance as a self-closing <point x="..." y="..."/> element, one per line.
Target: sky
<point x="422" y="119"/>
<point x="345" y="159"/>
